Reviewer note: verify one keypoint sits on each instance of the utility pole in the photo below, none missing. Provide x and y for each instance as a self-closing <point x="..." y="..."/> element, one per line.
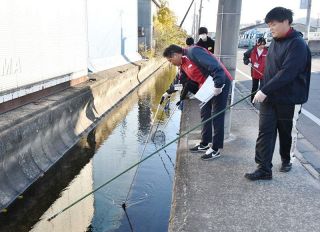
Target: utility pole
<point x="196" y="36"/>
<point x="308" y="19"/>
<point x="199" y="22"/>
<point x="186" y="14"/>
<point x="193" y="30"/>
<point x="226" y="43"/>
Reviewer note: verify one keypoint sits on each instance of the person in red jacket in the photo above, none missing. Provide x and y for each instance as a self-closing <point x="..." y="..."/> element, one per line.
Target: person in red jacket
<point x="257" y="58"/>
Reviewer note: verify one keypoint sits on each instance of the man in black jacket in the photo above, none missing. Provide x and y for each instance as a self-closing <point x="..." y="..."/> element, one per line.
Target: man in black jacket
<point x="285" y="85"/>
<point x="205" y="41"/>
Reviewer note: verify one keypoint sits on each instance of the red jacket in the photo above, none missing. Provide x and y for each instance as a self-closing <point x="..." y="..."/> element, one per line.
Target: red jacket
<point x="192" y="71"/>
<point x="258" y="63"/>
<point x="198" y="71"/>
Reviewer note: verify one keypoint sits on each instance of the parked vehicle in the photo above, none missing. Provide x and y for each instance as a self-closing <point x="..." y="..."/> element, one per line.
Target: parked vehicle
<point x="249" y="38"/>
<point x="268" y="37"/>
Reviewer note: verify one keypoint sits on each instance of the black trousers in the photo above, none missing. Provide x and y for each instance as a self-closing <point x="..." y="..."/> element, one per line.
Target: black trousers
<point x="255" y="86"/>
<point x="189" y="86"/>
<point x="216" y="104"/>
<point x="273" y="118"/>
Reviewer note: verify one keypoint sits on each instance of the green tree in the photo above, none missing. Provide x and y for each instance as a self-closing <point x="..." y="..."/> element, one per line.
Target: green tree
<point x="166" y="31"/>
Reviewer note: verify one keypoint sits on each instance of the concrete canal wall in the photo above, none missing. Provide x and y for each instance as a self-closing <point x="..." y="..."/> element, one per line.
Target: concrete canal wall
<point x="35" y="136"/>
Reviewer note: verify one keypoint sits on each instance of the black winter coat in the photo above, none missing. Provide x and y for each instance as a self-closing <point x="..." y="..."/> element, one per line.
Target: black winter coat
<point x="209" y="44"/>
<point x="288" y="69"/>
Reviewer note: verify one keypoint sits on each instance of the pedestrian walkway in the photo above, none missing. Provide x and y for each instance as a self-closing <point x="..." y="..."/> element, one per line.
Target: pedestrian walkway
<point x="214" y="196"/>
<point x="309" y="121"/>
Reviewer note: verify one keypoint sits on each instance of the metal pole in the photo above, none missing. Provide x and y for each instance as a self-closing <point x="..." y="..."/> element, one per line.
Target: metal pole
<point x="186" y="14"/>
<point x="308" y="19"/>
<point x="226" y="43"/>
<point x="196" y="37"/>
<point x="200" y="9"/>
<point x="193" y="32"/>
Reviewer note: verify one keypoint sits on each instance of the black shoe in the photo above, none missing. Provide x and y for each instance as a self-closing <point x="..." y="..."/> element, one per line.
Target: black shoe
<point x="199" y="148"/>
<point x="211" y="154"/>
<point x="285" y="167"/>
<point x="258" y="175"/>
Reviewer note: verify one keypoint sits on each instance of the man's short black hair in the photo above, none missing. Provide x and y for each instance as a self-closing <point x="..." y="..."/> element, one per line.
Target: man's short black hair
<point x="168" y="52"/>
<point x="279" y="14"/>
<point x="189" y="41"/>
<point x="203" y="30"/>
<point x="261" y="40"/>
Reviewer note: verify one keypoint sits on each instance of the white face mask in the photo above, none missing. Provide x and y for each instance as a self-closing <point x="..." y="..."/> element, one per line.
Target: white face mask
<point x="203" y="37"/>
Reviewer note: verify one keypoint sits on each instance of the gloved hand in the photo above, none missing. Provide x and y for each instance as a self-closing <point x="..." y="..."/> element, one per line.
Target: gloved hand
<point x="259" y="97"/>
<point x="164" y="97"/>
<point x="246" y="61"/>
<point x="178" y="103"/>
<point x="217" y="91"/>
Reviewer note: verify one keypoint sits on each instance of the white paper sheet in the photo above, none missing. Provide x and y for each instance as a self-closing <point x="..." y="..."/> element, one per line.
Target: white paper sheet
<point x="205" y="93"/>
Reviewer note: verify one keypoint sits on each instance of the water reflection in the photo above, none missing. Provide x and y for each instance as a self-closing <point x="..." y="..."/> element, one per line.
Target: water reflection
<point x="110" y="148"/>
<point x="117" y="154"/>
<point x="144" y="116"/>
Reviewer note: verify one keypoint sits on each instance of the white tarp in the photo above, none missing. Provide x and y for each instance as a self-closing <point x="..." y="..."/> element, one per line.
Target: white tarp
<point x="44" y="43"/>
<point x="112" y="33"/>
<point x="41" y="40"/>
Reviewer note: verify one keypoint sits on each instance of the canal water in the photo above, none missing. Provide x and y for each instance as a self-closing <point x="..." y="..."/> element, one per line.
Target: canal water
<point x="114" y="145"/>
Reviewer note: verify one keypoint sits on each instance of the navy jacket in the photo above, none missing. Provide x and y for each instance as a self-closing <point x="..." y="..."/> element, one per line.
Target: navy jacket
<point x="207" y="64"/>
<point x="288" y="69"/>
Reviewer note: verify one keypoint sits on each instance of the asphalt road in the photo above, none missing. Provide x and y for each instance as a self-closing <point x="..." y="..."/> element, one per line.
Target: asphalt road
<point x="309" y="121"/>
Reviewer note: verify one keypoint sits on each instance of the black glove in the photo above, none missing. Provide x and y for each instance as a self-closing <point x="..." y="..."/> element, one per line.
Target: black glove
<point x="246" y="61"/>
<point x="161" y="101"/>
<point x="178" y="103"/>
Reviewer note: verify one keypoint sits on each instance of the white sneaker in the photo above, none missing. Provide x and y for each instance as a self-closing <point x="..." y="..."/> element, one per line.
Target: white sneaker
<point x="211" y="154"/>
<point x="199" y="148"/>
<point x="191" y="96"/>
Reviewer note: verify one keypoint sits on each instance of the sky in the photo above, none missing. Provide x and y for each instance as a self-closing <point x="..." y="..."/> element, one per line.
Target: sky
<point x="251" y="10"/>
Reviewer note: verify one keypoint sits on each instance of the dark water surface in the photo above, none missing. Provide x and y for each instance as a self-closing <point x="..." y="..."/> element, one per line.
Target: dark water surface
<point x="113" y="146"/>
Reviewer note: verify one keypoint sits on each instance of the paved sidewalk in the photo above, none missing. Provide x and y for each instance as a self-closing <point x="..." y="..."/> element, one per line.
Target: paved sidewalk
<point x="214" y="196"/>
<point x="308" y="146"/>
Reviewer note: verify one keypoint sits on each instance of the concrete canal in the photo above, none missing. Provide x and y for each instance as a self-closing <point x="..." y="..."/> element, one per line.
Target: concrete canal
<point x="111" y="147"/>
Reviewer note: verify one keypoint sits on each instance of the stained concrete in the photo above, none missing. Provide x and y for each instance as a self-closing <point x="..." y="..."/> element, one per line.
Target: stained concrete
<point x="35" y="136"/>
<point x="214" y="195"/>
